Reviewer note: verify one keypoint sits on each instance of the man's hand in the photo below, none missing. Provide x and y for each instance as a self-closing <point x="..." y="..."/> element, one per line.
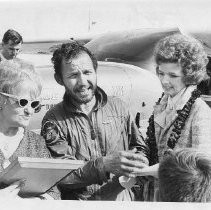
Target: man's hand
<point x="124" y="163"/>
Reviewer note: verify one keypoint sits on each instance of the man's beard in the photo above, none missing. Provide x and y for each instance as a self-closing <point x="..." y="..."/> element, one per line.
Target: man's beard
<point x="82" y="100"/>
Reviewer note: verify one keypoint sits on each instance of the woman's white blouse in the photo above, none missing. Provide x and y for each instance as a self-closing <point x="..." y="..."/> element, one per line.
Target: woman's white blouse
<point x="9" y="144"/>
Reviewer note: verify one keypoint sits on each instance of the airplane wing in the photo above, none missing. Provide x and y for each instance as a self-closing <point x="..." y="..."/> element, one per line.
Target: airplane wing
<point x="131" y="47"/>
<point x="48" y="46"/>
<point x="136" y="46"/>
<point x="205" y="38"/>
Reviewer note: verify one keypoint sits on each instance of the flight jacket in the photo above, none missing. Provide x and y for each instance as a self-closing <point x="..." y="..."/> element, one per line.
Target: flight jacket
<point x="70" y="133"/>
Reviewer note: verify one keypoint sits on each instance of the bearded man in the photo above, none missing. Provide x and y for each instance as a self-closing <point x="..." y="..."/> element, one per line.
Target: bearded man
<point x="91" y="126"/>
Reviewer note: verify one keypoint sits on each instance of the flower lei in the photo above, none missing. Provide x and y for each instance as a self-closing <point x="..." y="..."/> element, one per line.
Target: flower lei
<point x="179" y="123"/>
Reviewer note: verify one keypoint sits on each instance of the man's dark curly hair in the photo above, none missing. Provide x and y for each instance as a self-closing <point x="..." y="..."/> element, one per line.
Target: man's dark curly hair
<point x="186" y="51"/>
<point x="12" y="35"/>
<point x="69" y="51"/>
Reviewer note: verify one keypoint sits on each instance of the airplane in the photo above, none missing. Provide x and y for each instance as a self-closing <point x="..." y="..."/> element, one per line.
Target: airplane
<point x="130" y="46"/>
<point x="126" y="70"/>
<point x="136" y="46"/>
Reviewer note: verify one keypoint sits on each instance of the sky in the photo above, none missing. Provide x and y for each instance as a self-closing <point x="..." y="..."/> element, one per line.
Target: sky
<point x="62" y="19"/>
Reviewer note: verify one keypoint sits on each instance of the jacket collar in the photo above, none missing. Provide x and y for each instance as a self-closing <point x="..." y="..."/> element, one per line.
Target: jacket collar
<point x="101" y="100"/>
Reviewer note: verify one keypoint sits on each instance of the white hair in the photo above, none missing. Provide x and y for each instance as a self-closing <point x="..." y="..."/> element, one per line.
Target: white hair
<point x="13" y="74"/>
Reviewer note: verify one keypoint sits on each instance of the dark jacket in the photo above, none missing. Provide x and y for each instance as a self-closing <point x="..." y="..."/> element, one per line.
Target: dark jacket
<point x="69" y="133"/>
<point x="32" y="145"/>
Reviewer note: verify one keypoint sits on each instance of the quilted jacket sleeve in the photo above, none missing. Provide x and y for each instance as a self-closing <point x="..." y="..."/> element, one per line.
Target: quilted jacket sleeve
<point x="201" y="126"/>
<point x="91" y="173"/>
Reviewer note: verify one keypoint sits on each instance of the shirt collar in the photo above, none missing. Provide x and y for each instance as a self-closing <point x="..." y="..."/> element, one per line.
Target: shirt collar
<point x="182" y="97"/>
<point x="171" y="105"/>
<point x="172" y="102"/>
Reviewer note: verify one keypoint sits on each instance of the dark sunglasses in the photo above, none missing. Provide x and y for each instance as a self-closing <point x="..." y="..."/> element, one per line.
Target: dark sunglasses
<point x="22" y="102"/>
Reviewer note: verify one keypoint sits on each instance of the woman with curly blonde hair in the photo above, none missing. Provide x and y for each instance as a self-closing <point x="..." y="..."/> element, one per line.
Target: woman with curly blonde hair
<point x="180" y="118"/>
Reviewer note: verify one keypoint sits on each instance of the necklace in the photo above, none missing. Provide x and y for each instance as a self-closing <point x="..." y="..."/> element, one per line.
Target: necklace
<point x="178" y="125"/>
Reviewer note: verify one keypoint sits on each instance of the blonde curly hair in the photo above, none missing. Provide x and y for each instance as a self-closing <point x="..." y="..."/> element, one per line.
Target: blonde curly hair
<point x="186" y="51"/>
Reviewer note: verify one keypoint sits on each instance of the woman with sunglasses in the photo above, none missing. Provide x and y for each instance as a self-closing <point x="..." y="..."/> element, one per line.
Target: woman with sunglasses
<point x="20" y="90"/>
<point x="181" y="118"/>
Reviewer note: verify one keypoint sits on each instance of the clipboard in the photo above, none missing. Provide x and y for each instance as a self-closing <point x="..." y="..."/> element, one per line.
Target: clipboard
<point x="39" y="174"/>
